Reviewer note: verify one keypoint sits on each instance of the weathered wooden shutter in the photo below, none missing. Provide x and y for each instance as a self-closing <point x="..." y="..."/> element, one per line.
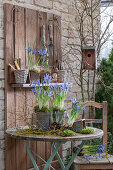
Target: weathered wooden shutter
<point x="22" y="26"/>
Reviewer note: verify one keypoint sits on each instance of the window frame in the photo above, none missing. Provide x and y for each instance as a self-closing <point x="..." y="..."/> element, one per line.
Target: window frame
<point x="106" y="3"/>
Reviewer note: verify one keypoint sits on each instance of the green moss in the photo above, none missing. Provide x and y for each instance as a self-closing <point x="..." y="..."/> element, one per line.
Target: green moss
<point x="67" y="133"/>
<point x="58" y="109"/>
<point x="87" y="131"/>
<point x="34" y="70"/>
<point x="46" y="71"/>
<point x="90" y="149"/>
<point x="43" y="109"/>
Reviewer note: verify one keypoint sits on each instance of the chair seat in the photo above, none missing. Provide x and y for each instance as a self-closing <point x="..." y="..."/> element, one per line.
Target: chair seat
<point x="81" y="160"/>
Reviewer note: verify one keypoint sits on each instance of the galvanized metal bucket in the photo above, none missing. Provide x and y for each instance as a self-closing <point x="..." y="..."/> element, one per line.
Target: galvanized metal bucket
<point x="34" y="76"/>
<point x="58" y="116"/>
<point x="43" y="120"/>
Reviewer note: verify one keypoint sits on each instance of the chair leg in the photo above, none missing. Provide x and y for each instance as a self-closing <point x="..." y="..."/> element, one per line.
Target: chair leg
<point x="76" y="167"/>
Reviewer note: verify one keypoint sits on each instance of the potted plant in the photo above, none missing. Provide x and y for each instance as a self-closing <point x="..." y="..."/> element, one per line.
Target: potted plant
<point x="45" y="68"/>
<point x="43" y="93"/>
<point x="33" y="64"/>
<point x="77" y="107"/>
<point x="38" y="63"/>
<point x="60" y="93"/>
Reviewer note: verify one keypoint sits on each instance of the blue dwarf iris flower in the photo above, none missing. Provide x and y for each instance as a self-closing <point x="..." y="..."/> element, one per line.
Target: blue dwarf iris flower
<point x="29" y="49"/>
<point x="40" y="52"/>
<point x="56" y="86"/>
<point x="73" y="100"/>
<point x="100" y="149"/>
<point x="35" y="83"/>
<point x="34" y="51"/>
<point x="79" y="107"/>
<point x="47" y="79"/>
<point x="50" y="93"/>
<point x="34" y="91"/>
<point x="51" y="87"/>
<point x="87" y="158"/>
<point x="38" y="82"/>
<point x="43" y="52"/>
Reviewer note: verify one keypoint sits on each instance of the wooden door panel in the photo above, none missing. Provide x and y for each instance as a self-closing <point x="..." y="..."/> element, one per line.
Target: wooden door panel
<point x="22" y="27"/>
<point x="9" y="97"/>
<point x="31" y="36"/>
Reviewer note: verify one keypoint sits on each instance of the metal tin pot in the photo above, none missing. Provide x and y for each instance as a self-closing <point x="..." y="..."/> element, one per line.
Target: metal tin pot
<point x="43" y="120"/>
<point x="58" y="116"/>
<point x="34" y="76"/>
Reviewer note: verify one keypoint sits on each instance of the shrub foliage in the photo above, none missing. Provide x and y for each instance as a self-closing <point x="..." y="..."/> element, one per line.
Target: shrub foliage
<point x="104" y="91"/>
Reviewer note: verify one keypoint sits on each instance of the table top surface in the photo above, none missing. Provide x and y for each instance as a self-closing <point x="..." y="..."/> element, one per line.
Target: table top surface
<point x="14" y="132"/>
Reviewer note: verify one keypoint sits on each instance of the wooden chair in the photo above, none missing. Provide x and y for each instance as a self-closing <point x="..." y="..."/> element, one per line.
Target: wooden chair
<point x="80" y="162"/>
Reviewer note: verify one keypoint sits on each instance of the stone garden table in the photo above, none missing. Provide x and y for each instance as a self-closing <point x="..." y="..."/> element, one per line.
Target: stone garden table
<point x="13" y="132"/>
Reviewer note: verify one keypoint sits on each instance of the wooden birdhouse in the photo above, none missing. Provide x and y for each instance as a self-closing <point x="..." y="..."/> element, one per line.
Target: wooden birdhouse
<point x="89" y="58"/>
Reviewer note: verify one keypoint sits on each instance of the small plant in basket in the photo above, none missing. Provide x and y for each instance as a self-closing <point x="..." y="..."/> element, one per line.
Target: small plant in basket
<point x="44" y="60"/>
<point x="38" y="62"/>
<point x="33" y="60"/>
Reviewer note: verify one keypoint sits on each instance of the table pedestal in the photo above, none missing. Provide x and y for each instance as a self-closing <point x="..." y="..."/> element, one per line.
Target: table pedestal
<point x="54" y="152"/>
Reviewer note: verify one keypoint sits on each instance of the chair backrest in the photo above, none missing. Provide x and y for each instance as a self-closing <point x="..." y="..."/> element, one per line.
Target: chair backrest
<point x="104" y="116"/>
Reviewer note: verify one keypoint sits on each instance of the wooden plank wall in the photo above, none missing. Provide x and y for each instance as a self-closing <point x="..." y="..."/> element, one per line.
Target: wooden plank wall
<point x="22" y="26"/>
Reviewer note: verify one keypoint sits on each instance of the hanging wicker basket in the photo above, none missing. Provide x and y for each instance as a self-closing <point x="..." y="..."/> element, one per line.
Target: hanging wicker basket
<point x="21" y="76"/>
